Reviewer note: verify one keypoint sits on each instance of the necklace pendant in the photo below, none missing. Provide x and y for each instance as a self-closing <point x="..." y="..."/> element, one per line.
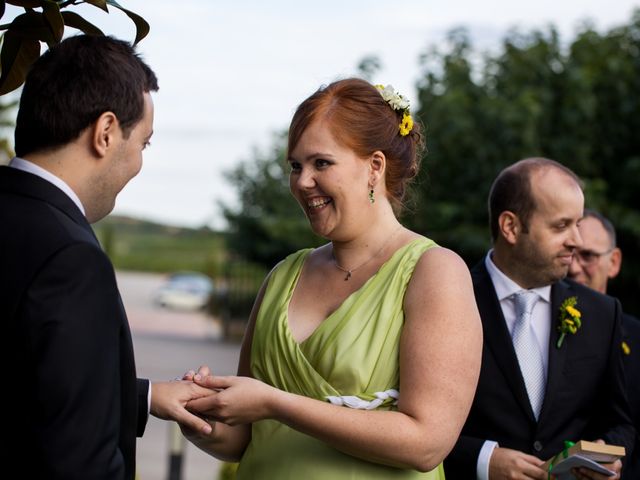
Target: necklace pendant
<point x="348" y="276"/>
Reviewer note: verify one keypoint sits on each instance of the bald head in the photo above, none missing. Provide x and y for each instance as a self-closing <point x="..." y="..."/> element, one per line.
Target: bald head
<point x="511" y="190"/>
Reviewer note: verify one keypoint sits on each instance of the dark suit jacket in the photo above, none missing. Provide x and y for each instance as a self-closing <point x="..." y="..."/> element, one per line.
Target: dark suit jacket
<point x="76" y="405"/>
<point x="584" y="396"/>
<point x="631" y="335"/>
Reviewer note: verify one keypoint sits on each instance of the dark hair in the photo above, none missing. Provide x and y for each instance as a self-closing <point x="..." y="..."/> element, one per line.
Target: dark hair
<point x="75" y="82"/>
<point x="360" y="119"/>
<point x="606" y="224"/>
<point x="511" y="190"/>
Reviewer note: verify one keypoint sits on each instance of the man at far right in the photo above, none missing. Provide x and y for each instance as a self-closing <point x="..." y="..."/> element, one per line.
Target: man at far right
<point x="543" y="381"/>
<point x="594" y="263"/>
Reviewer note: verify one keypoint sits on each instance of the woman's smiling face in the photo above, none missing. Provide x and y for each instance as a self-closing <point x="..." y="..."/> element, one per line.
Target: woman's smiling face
<point x="329" y="181"/>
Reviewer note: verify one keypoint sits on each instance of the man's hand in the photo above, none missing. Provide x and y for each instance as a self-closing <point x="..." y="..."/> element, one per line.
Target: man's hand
<point x="586" y="474"/>
<point x="169" y="399"/>
<point x="515" y="465"/>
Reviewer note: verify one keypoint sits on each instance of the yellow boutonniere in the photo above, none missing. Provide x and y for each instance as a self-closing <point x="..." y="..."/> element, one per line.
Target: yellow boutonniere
<point x="570" y="319"/>
<point x="626" y="349"/>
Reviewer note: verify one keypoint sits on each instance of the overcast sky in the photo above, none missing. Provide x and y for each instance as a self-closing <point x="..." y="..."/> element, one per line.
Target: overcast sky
<point x="232" y="73"/>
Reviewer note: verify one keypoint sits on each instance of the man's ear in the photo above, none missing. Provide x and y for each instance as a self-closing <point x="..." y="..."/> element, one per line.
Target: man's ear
<point x="378" y="165"/>
<point x="509" y="226"/>
<point x="104" y="130"/>
<point x="615" y="262"/>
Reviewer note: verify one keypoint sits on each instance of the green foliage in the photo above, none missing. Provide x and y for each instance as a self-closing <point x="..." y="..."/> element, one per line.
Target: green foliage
<point x="22" y="38"/>
<point x="145" y="246"/>
<point x="268" y="225"/>
<point x="577" y="104"/>
<point x="369" y="66"/>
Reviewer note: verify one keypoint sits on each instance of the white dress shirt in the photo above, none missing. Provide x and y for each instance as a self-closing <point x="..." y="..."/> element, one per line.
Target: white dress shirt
<point x="30" y="167"/>
<point x="540" y="321"/>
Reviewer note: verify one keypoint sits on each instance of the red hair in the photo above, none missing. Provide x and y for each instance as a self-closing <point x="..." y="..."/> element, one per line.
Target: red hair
<point x="361" y="120"/>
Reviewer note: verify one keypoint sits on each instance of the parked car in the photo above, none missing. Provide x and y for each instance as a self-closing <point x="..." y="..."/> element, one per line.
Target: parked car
<point x="185" y="291"/>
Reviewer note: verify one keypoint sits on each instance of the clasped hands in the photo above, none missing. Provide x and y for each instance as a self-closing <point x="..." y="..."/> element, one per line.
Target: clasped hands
<point x="200" y="398"/>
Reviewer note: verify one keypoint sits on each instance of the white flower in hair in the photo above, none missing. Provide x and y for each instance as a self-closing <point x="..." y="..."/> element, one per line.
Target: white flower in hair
<point x="393" y="98"/>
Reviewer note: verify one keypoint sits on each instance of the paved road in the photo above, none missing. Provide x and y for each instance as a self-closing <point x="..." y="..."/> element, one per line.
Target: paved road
<point x="137" y="291"/>
<point x="161" y="358"/>
<point x="167" y="344"/>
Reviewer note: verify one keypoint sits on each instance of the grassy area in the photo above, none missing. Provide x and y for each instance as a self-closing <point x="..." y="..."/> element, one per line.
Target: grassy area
<point x="134" y="244"/>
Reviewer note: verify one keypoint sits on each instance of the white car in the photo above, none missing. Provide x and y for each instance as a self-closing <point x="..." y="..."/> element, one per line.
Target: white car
<point x="185" y="291"/>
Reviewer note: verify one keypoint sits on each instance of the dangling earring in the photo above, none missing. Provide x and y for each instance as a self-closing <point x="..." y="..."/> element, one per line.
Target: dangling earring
<point x="371" y="197"/>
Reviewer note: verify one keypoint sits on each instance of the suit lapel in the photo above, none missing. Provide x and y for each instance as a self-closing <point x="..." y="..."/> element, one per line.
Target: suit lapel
<point x="557" y="356"/>
<point x="497" y="337"/>
<point x="30" y="185"/>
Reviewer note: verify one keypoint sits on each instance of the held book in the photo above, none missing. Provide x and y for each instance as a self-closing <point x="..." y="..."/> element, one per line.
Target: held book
<point x="584" y="454"/>
<point x="562" y="470"/>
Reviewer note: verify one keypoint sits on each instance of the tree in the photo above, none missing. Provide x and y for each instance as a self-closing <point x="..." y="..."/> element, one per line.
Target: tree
<point x="45" y="21"/>
<point x="577" y="105"/>
<point x="369" y="66"/>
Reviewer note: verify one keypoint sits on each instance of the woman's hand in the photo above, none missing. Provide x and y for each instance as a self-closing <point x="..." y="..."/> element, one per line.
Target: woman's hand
<point x="240" y="400"/>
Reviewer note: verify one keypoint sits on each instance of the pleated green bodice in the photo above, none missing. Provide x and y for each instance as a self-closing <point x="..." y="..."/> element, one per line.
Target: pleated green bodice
<point x="354" y="351"/>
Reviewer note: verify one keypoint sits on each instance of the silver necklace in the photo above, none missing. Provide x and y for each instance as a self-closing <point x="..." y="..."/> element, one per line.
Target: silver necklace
<point x="350" y="271"/>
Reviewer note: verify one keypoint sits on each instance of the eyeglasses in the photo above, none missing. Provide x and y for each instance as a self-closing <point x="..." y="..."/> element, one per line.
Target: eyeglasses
<point x="589" y="257"/>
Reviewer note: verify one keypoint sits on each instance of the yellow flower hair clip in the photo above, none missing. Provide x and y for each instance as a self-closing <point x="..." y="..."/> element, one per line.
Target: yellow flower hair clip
<point x="406" y="125"/>
<point x="398" y="103"/>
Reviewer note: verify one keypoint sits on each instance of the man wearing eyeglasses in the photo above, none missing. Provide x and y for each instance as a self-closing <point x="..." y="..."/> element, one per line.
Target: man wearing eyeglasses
<point x="598" y="259"/>
<point x="594" y="263"/>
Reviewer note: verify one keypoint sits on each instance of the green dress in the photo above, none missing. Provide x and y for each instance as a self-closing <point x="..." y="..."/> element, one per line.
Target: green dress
<point x="354" y="351"/>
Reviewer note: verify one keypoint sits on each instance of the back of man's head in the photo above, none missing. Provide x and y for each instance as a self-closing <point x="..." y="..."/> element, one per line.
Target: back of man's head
<point x="605" y="223"/>
<point x="73" y="83"/>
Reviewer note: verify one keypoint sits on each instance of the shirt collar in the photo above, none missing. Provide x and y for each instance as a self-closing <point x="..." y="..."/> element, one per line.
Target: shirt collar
<point x="505" y="287"/>
<point x="30" y="167"/>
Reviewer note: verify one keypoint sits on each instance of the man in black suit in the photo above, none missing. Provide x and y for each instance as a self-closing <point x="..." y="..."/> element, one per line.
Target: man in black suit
<point x="85" y="116"/>
<point x="537" y="387"/>
<point x="596" y="261"/>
